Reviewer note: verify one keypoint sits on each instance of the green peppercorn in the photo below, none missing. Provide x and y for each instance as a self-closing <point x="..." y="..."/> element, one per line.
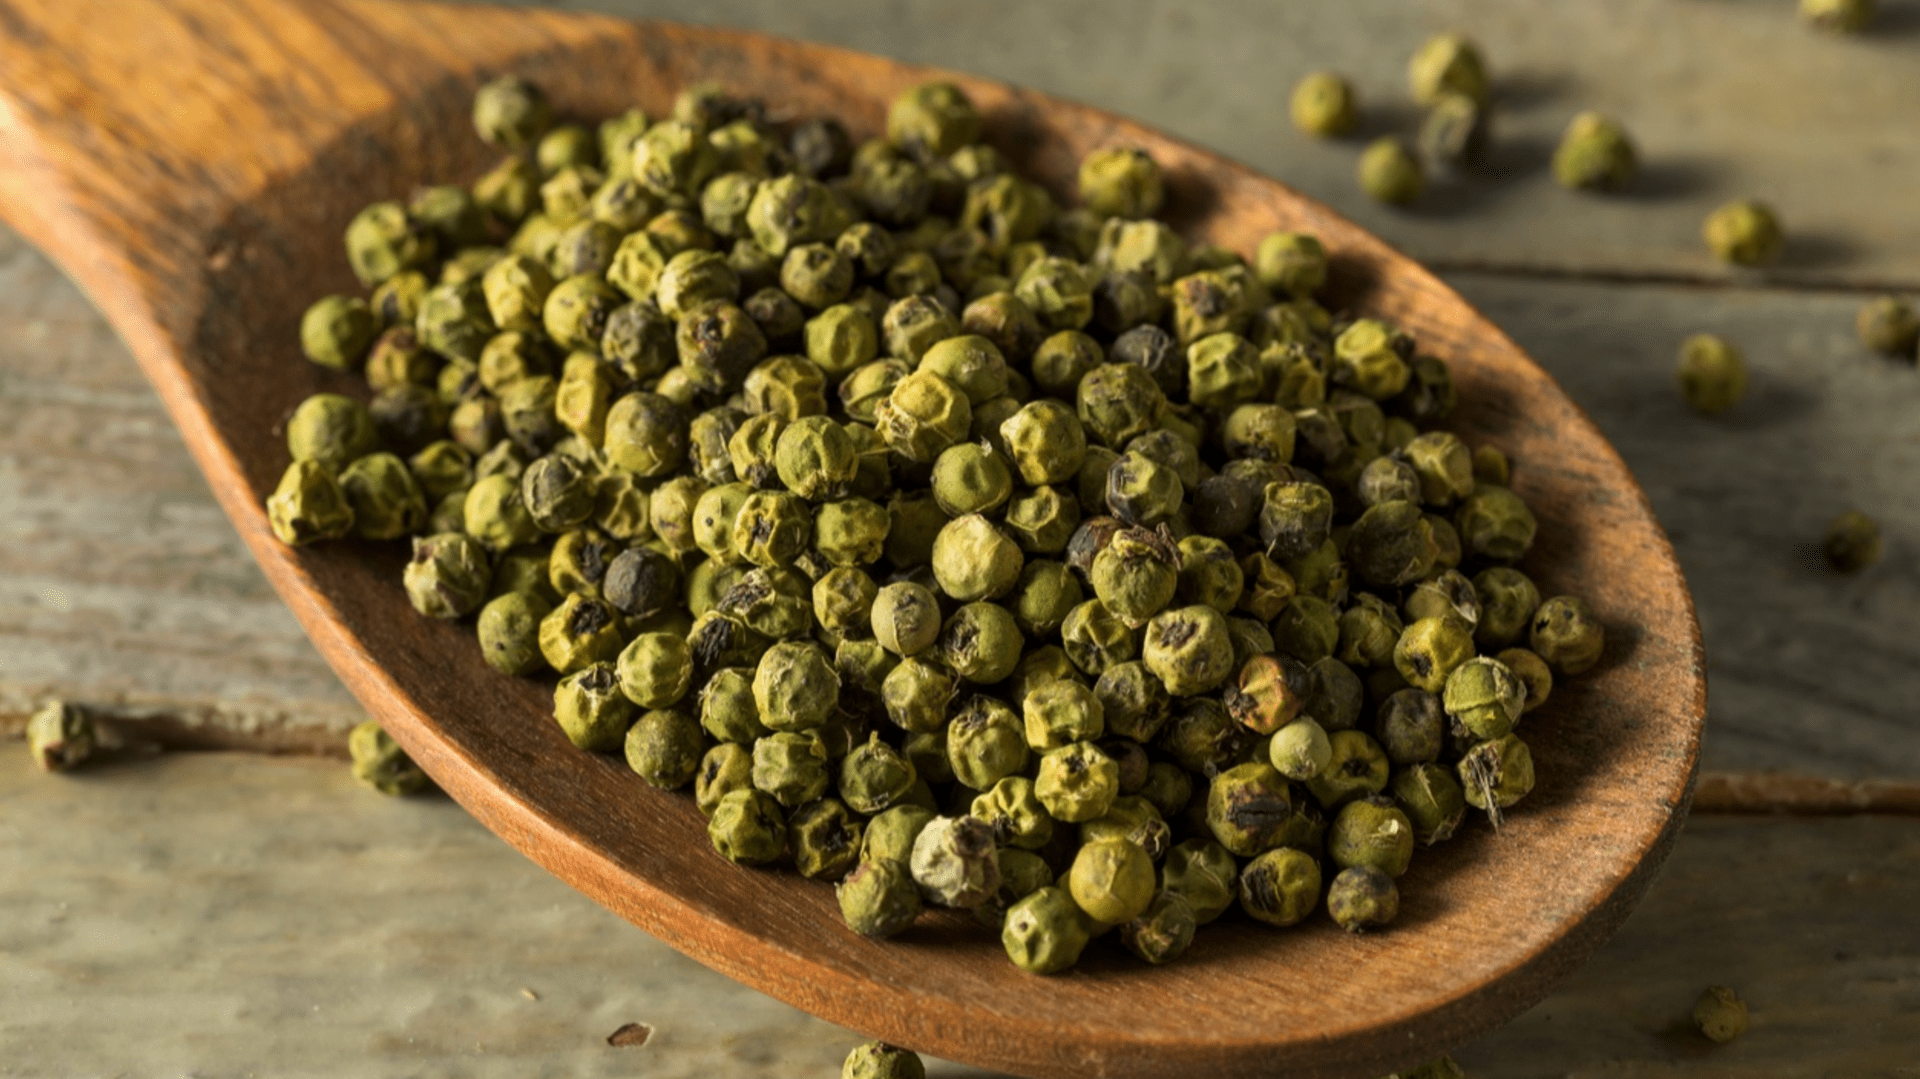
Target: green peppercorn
<point x="386" y="502"/>
<point x="791" y="766"/>
<point x="825" y="838"/>
<point x="590" y="708"/>
<point x="655" y="670"/>
<point x="795" y="686"/>
<point x="1189" y="649"/>
<point x="874" y="776"/>
<point x="923" y="415"/>
<point x="380" y="764"/>
<point x="336" y="331"/>
<point x="1533" y="672"/>
<point x="1247" y="806"/>
<point x="384" y="240"/>
<point x="1060" y="713"/>
<point x="1077" y="782"/>
<point x="1281" y="886"/>
<point x="1595" y="153"/>
<point x="1888" y="325"/>
<point x="747" y="827"/>
<point x="1391" y="545"/>
<point x="1508" y="599"/>
<point x="1567" y="634"/>
<point x="1295" y="518"/>
<point x="718" y="343"/>
<point x="1131" y="818"/>
<point x="1851" y="543"/>
<point x="1223" y="370"/>
<point x="1744" y="232"/>
<point x="725" y="768"/>
<point x="1300" y="750"/>
<point x="1362" y="897"/>
<point x="496" y="513"/>
<point x="1719" y="1013"/>
<point x="1430" y="649"/>
<point x="331" y="431"/>
<point x="1411" y="726"/>
<point x="1712" y="372"/>
<point x="1390" y="173"/>
<point x="985" y="743"/>
<point x="1447" y="63"/>
<point x="663" y="747"/>
<point x="1168" y="788"/>
<point x="1134" y="702"/>
<point x="1484" y="698"/>
<point x="878" y="899"/>
<point x="1209" y="574"/>
<point x="1456" y="131"/>
<point x="1323" y="104"/>
<point x="932" y="120"/>
<point x="579" y="633"/>
<point x="727" y="708"/>
<point x="509" y="190"/>
<point x="443" y="468"/>
<point x="1015" y="814"/>
<point x="1141" y="491"/>
<point x="1204" y="874"/>
<point x="447" y="576"/>
<point x="509" y="630"/>
<point x="1496" y="774"/>
<point x="1270" y="693"/>
<point x="793" y="210"/>
<point x="1371" y="831"/>
<point x="970" y="478"/>
<point x="1202" y="736"/>
<point x="1062" y="360"/>
<point x="1432" y="799"/>
<point x="1120" y="181"/>
<point x="974" y="560"/>
<point x="1111" y="880"/>
<point x="1359" y="768"/>
<point x="524" y="569"/>
<point x="557" y="494"/>
<point x="1162" y="932"/>
<point x="511" y="112"/>
<point x="953" y="862"/>
<point x="1045" y="932"/>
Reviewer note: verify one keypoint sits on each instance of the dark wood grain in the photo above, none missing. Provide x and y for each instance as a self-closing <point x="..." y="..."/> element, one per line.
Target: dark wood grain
<point x="194" y="178"/>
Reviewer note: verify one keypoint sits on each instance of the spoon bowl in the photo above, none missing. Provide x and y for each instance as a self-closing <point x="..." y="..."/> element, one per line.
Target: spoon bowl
<point x="194" y="174"/>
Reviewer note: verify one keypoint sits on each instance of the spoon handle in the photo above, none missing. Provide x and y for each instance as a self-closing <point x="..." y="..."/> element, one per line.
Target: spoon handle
<point x="130" y="129"/>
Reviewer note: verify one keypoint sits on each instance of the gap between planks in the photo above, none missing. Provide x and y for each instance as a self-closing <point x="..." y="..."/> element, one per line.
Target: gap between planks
<point x="1731" y="280"/>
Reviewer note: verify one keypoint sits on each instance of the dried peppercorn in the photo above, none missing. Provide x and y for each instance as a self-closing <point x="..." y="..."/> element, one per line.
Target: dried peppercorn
<point x="1085" y="510"/>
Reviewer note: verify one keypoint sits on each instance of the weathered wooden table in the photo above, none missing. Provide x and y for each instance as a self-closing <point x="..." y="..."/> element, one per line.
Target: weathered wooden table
<point x="221" y="914"/>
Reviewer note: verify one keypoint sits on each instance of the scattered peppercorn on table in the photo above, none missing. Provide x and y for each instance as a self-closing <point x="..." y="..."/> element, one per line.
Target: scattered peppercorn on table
<point x="1524" y="299"/>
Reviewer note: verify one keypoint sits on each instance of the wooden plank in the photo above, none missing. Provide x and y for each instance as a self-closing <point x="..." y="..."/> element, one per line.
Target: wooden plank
<point x="1726" y="101"/>
<point x="1808" y="671"/>
<point x="123" y="584"/>
<point x="218" y="914"/>
<point x="214" y="914"/>
<point x="1799" y="916"/>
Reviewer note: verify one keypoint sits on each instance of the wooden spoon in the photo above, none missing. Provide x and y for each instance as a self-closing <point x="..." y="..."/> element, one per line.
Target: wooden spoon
<point x="192" y="165"/>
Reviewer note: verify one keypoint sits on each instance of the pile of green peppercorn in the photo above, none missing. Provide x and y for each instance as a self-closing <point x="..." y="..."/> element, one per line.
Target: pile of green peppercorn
<point x="953" y="545"/>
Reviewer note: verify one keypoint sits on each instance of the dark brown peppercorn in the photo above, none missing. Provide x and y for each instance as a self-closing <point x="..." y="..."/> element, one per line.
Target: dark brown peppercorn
<point x="642" y="582"/>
